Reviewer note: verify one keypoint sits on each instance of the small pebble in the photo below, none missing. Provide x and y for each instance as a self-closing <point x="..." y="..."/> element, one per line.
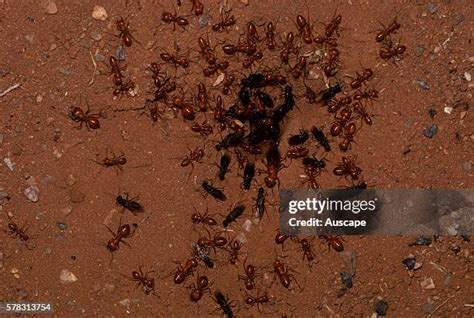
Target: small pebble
<point x="430" y="131"/>
<point x="120" y="54"/>
<point x="4" y="195"/>
<point x="466" y="166"/>
<point x="66" y="210"/>
<point x="62" y="226"/>
<point x="247" y="225"/>
<point x="346" y="279"/>
<point x="219" y="79"/>
<point x="427" y="283"/>
<point x="409" y="263"/>
<point x="432" y="8"/>
<point x="48" y="251"/>
<point x="9" y="163"/>
<point x="71" y="180"/>
<point x="76" y="196"/>
<point x="432" y="112"/>
<point x="448" y="110"/>
<point x="125" y="302"/>
<point x="50" y="7"/>
<point x="99" y="13"/>
<point x="203" y="20"/>
<point x="96" y="36"/>
<point x="423" y="85"/>
<point x="32" y="193"/>
<point x="67" y="276"/>
<point x="422" y="240"/>
<point x="467" y="76"/>
<point x="381" y="307"/>
<point x="459" y="18"/>
<point x="99" y="57"/>
<point x="419" y="50"/>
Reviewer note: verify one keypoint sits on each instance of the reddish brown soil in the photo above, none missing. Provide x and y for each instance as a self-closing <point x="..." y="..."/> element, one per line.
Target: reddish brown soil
<point x="50" y="55"/>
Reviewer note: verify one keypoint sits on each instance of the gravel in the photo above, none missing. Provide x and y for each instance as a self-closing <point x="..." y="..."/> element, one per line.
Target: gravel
<point x="67" y="276"/>
<point x="346" y="279"/>
<point x="32" y="193"/>
<point x="120" y="54"/>
<point x="430" y="131"/>
<point x="76" y="196"/>
<point x="423" y="85"/>
<point x="409" y="263"/>
<point x="381" y="307"/>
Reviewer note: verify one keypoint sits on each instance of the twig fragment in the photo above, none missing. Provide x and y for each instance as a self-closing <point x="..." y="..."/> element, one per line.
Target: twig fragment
<point x="9" y="89"/>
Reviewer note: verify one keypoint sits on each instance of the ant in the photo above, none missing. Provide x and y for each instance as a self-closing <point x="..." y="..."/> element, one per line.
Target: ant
<point x="288" y="47"/>
<point x="349" y="133"/>
<point x="213" y="68"/>
<point x="333" y="26"/>
<point x="249" y="173"/>
<point x="270" y="36"/>
<point x="307" y="251"/>
<point x="202" y="98"/>
<point x="198" y="7"/>
<point x="249" y="277"/>
<point x="347" y="168"/>
<point x="299" y="67"/>
<point x="241" y="159"/>
<point x="392" y="27"/>
<point x="251" y="59"/>
<point x="360" y="110"/>
<point x="273" y="164"/>
<point x="115" y="161"/>
<point x="124" y="231"/>
<point x="227" y="83"/>
<point x="199" y="288"/>
<point x="391" y="51"/>
<point x="296" y="152"/>
<point x="305" y="29"/>
<point x="168" y="17"/>
<point x="299" y="138"/>
<point x="335" y="104"/>
<point x="329" y="93"/>
<point x="206" y="51"/>
<point x="251" y="301"/>
<point x="235" y="246"/>
<point x="224" y="166"/>
<point x="225" y="22"/>
<point x="217" y="241"/>
<point x="334" y="241"/>
<point x="204" y="129"/>
<point x="187" y="109"/>
<point x="195" y="155"/>
<point x="78" y="115"/>
<point x="126" y="88"/>
<point x="330" y="66"/>
<point x="370" y="94"/>
<point x="310" y="94"/>
<point x="16" y="232"/>
<point x="123" y="28"/>
<point x="130" y="204"/>
<point x="284" y="274"/>
<point x="156" y="74"/>
<point x="245" y="48"/>
<point x="116" y="70"/>
<point x="259" y="206"/>
<point x="362" y="78"/>
<point x="143" y="279"/>
<point x="311" y="174"/>
<point x="281" y="238"/>
<point x="175" y="60"/>
<point x="184" y="271"/>
<point x="198" y="218"/>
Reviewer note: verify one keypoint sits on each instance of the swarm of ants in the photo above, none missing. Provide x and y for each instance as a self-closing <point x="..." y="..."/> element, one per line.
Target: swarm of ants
<point x="251" y="127"/>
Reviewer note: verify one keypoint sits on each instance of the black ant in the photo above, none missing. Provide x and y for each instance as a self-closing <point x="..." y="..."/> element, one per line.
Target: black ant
<point x="130" y="204"/>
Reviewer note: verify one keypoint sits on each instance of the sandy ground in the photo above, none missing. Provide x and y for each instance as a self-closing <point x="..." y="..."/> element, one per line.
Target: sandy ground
<point x="58" y="54"/>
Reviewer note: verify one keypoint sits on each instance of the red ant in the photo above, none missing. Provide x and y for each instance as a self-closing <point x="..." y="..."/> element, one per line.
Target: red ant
<point x="126" y="88"/>
<point x="124" y="231"/>
<point x="284" y="274"/>
<point x="252" y="34"/>
<point x="307" y="251"/>
<point x="227" y="83"/>
<point x="251" y="59"/>
<point x="199" y="288"/>
<point x="270" y="36"/>
<point x="334" y="241"/>
<point x="333" y="26"/>
<point x="187" y="109"/>
<point x="225" y="22"/>
<point x="116" y="70"/>
<point x="288" y="47"/>
<point x="169" y="17"/>
<point x="305" y="29"/>
<point x="123" y="28"/>
<point x="204" y="129"/>
<point x="297" y="152"/>
<point x="78" y="115"/>
<point x="216" y="241"/>
<point x="336" y="103"/>
<point x="330" y="66"/>
<point x="198" y="218"/>
<point x="391" y="52"/>
<point x="392" y="27"/>
<point x="347" y="168"/>
<point x="281" y="238"/>
<point x="206" y="51"/>
<point x="349" y="133"/>
<point x="143" y="279"/>
<point x="220" y="115"/>
<point x="184" y="271"/>
<point x="235" y="246"/>
<point x="299" y="67"/>
<point x="251" y="301"/>
<point x="115" y="161"/>
<point x="16" y="232"/>
<point x="361" y="78"/>
<point x="360" y="110"/>
<point x="250" y="275"/>
<point x="371" y="94"/>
